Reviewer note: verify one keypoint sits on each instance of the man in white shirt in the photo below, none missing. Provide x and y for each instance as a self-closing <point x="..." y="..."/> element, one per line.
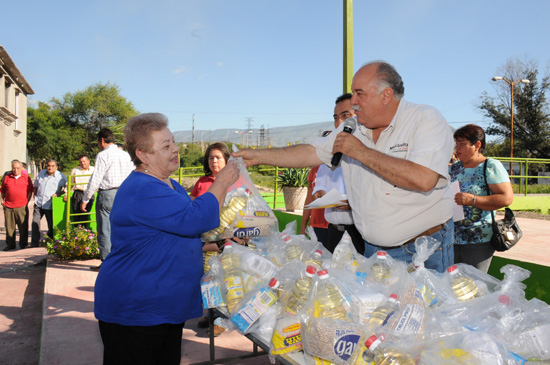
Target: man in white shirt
<point x="112" y="166"/>
<point x="395" y="167"/>
<point x="340" y="219"/>
<point x="79" y="180"/>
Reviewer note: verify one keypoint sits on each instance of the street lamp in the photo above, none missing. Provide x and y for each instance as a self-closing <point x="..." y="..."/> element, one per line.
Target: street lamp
<point x="525" y="81"/>
<point x="243" y="133"/>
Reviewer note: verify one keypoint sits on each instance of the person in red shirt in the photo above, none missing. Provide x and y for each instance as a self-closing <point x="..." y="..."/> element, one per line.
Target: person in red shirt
<point x="16" y="192"/>
<point x="314" y="217"/>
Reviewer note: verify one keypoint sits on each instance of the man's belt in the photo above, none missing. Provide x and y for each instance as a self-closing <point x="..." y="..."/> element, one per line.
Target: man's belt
<point x="341" y="227"/>
<point x="109" y="189"/>
<point x="428" y="232"/>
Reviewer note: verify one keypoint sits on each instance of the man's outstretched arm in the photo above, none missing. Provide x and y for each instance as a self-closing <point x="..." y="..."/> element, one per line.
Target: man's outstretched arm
<point x="300" y="155"/>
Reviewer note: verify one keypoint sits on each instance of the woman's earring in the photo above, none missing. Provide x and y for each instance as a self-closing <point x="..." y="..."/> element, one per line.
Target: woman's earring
<point x="146" y="169"/>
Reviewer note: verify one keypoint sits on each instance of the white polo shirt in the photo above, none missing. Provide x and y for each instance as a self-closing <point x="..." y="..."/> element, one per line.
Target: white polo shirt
<point x="385" y="214"/>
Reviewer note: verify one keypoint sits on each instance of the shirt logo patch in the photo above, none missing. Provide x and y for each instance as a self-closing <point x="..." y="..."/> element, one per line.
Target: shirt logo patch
<point x="400" y="147"/>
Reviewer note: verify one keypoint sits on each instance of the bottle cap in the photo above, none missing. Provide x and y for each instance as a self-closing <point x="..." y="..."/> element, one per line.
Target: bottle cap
<point x="311" y="270"/>
<point x="452" y="269"/>
<point x="323" y="274"/>
<point x="274" y="283"/>
<point x="228" y="244"/>
<point x="381" y="254"/>
<point x="394" y="297"/>
<point x="504" y="299"/>
<point x="372" y="342"/>
<point x="318" y="252"/>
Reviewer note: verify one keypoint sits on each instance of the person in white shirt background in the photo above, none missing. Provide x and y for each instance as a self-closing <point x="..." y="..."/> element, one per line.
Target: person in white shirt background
<point x="112" y="167"/>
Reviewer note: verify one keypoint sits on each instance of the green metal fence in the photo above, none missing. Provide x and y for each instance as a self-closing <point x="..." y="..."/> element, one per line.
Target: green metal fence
<point x="276" y="200"/>
<point x="524" y="164"/>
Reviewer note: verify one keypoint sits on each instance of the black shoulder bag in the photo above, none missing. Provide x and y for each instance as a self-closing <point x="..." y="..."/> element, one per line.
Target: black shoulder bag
<point x="506" y="232"/>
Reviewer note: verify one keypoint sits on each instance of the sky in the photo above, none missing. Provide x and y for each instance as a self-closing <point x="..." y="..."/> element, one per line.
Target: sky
<point x="241" y="63"/>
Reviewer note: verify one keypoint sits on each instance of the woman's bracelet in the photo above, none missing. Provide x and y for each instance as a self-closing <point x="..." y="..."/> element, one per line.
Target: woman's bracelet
<point x="475" y="197"/>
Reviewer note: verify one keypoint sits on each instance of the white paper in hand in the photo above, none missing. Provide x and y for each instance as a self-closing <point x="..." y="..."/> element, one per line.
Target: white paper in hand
<point x="330" y="200"/>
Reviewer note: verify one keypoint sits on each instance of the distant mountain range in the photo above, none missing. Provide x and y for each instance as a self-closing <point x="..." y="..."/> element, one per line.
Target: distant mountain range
<point x="274" y="137"/>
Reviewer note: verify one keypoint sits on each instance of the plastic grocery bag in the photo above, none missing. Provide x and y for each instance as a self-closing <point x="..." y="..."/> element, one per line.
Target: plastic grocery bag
<point x="244" y="213"/>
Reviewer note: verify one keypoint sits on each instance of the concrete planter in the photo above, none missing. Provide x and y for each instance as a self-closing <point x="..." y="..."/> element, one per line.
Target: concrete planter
<point x="294" y="197"/>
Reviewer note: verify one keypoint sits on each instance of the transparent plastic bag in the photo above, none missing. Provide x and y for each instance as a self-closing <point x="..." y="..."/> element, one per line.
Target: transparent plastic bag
<point x="327" y="331"/>
<point x="254" y="305"/>
<point x="212" y="285"/>
<point x="344" y="255"/>
<point x="434" y="292"/>
<point x="245" y="213"/>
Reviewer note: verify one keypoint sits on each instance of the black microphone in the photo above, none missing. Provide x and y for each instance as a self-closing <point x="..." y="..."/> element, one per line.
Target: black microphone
<point x="349" y="127"/>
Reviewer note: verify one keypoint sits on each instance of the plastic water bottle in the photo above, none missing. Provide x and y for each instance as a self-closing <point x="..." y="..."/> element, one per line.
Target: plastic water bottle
<point x="300" y="291"/>
<point x="381" y="268"/>
<point x="315" y="260"/>
<point x="329" y="302"/>
<point x="387" y="355"/>
<point x="292" y="250"/>
<point x="463" y="287"/>
<point x="232" y="276"/>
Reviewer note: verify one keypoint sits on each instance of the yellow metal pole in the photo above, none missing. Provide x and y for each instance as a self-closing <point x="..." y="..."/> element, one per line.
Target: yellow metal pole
<point x="348" y="45"/>
<point x="68" y="202"/>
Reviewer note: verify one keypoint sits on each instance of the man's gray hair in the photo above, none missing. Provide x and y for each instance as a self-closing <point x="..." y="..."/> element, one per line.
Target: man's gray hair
<point x="389" y="77"/>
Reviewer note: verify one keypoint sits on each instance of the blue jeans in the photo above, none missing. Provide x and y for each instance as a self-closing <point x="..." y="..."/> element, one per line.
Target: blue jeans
<point x="105" y="199"/>
<point x="441" y="259"/>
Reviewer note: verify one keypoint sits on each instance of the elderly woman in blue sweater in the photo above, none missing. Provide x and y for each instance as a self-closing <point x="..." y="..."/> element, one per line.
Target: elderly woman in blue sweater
<point x="149" y="285"/>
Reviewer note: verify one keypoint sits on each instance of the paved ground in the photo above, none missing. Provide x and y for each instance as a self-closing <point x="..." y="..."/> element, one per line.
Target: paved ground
<point x="46" y="312"/>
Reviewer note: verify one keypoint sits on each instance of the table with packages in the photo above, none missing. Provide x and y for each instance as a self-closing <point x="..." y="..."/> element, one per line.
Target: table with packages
<point x="288" y="359"/>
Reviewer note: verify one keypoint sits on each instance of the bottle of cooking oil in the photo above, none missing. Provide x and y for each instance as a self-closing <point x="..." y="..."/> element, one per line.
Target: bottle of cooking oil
<point x="315" y="260"/>
<point x="362" y="355"/>
<point x="382" y="312"/>
<point x="300" y="291"/>
<point x="232" y="276"/>
<point x="381" y="268"/>
<point x="387" y="355"/>
<point x="236" y="204"/>
<point x="329" y="302"/>
<point x="293" y="251"/>
<point x="227" y="215"/>
<point x="464" y="287"/>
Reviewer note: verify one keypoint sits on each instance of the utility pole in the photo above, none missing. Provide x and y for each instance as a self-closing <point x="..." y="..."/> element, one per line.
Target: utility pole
<point x="348" y="45"/>
<point x="193" y="130"/>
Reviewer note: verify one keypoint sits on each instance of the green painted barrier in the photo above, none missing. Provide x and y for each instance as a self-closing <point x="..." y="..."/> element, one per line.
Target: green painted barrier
<point x="60" y="210"/>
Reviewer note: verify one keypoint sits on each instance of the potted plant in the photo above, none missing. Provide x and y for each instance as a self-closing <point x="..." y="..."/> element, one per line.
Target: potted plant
<point x="293" y="183"/>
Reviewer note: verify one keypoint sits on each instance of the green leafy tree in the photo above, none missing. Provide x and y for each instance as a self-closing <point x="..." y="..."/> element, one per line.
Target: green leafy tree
<point x="66" y="128"/>
<point x="531" y="112"/>
<point x="98" y="106"/>
<point x="49" y="136"/>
